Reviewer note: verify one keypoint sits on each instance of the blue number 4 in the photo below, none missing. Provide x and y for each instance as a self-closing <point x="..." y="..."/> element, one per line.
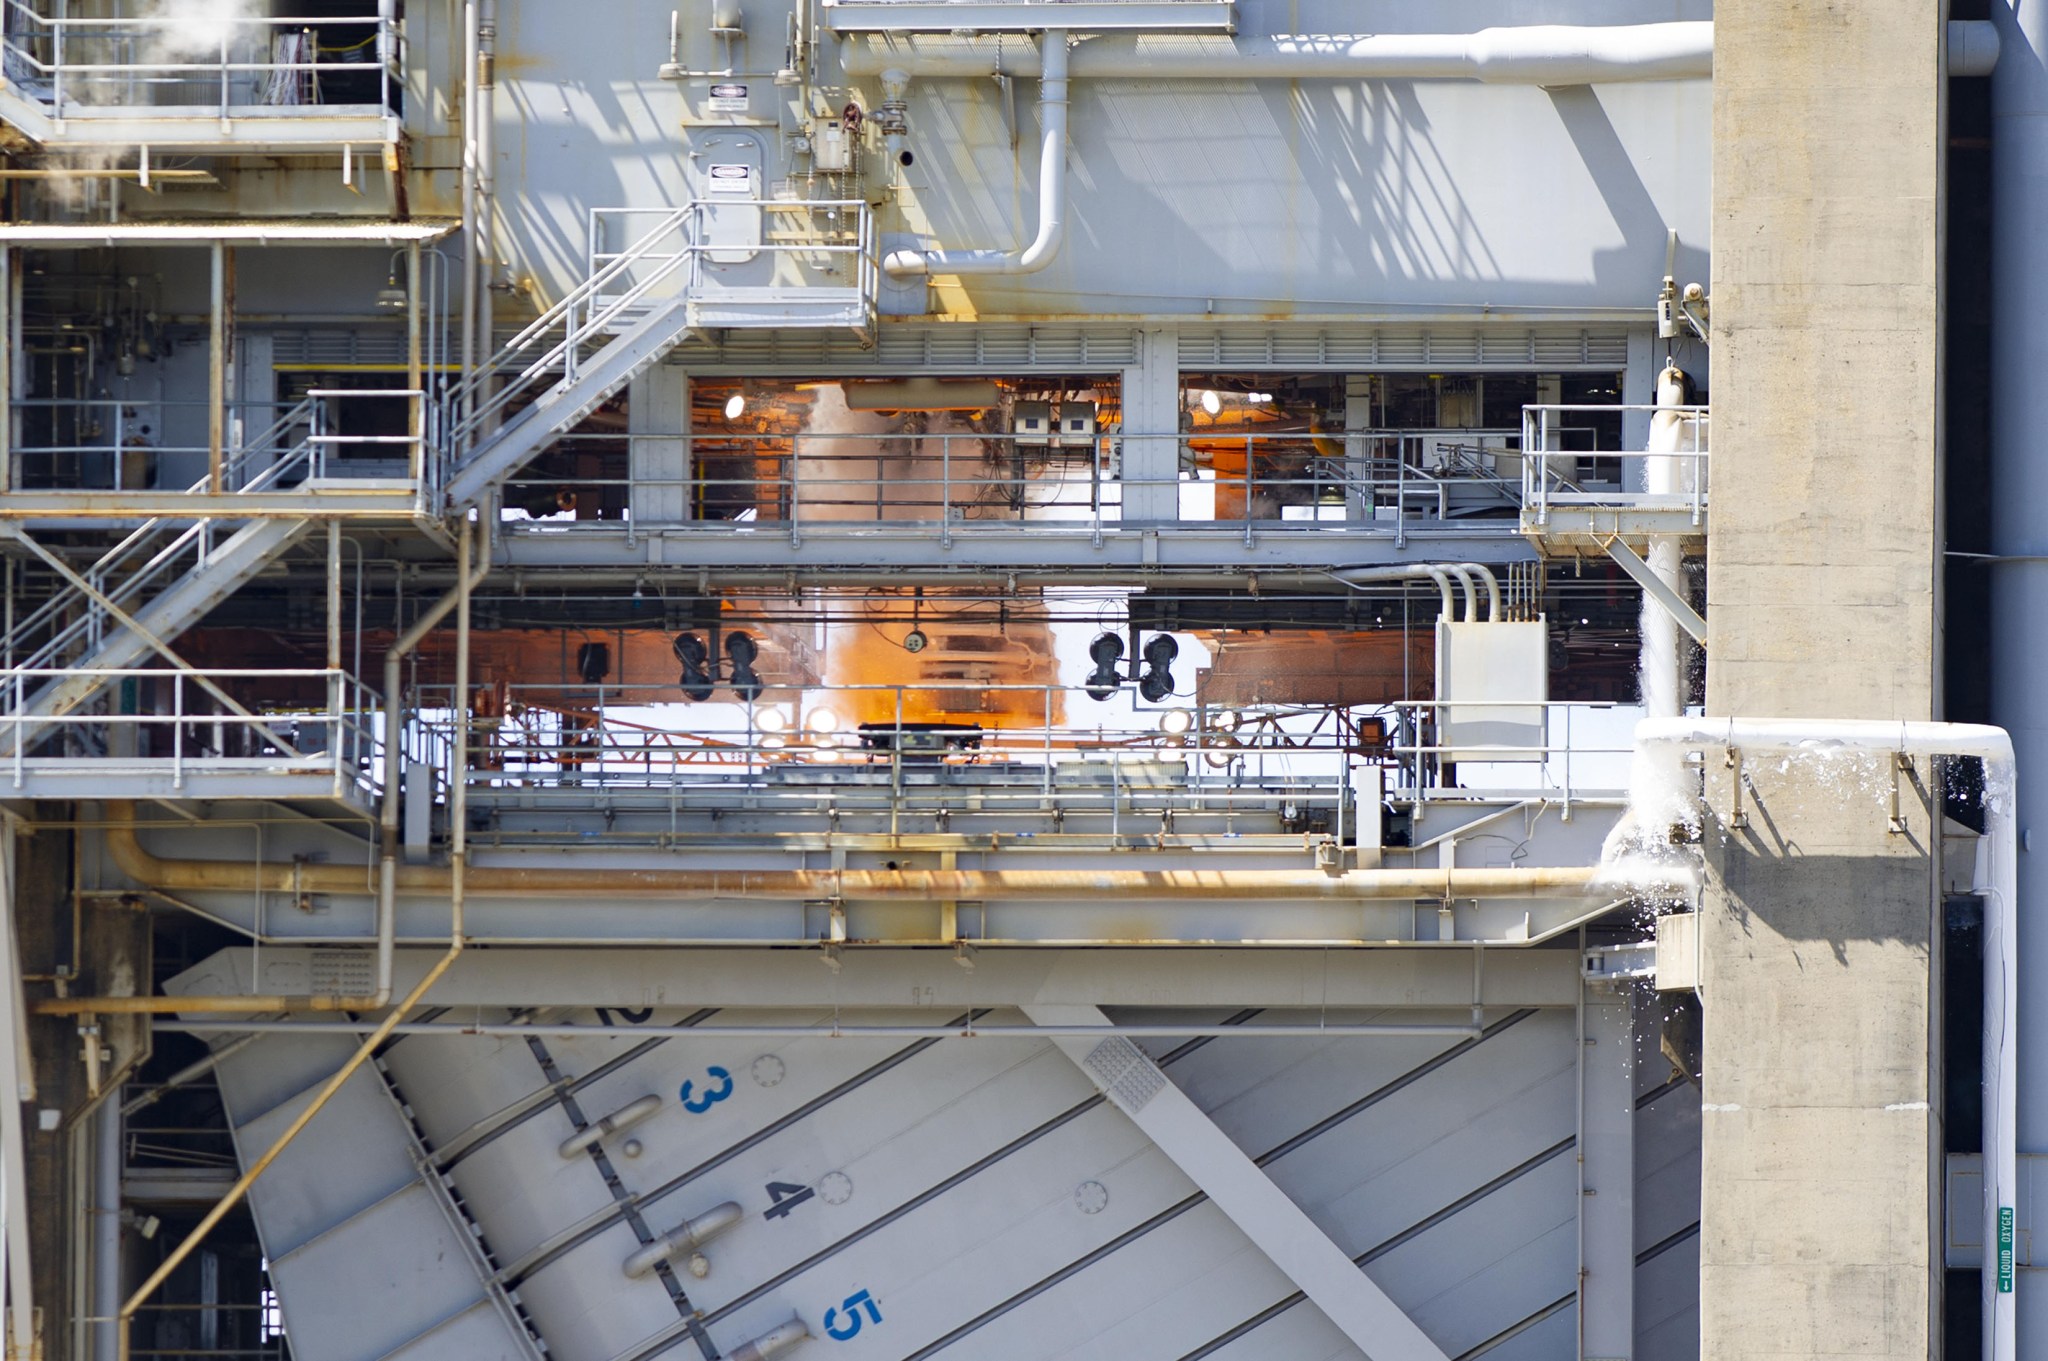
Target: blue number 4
<point x="712" y="1095"/>
<point x="852" y="1304"/>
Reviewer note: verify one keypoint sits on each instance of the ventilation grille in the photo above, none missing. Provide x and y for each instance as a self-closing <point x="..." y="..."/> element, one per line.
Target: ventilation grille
<point x="1124" y="1071"/>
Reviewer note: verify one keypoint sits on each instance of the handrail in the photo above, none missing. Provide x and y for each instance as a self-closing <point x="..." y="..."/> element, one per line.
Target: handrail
<point x="463" y="397"/>
<point x="589" y="311"/>
<point x="194" y="65"/>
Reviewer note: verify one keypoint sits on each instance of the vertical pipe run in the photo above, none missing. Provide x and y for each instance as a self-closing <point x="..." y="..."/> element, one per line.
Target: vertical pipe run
<point x="470" y="253"/>
<point x="414" y="375"/>
<point x="217" y="374"/>
<point x="1052" y="188"/>
<point x="486" y="169"/>
<point x="2019" y="579"/>
<point x="106" y="1229"/>
<point x="1663" y="680"/>
<point x="8" y="352"/>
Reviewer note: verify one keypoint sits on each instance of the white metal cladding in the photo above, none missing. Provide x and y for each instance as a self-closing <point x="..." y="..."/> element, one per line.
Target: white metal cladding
<point x="921" y="348"/>
<point x="916" y="347"/>
<point x="366" y="1262"/>
<point x="953" y="1228"/>
<point x="1360" y="348"/>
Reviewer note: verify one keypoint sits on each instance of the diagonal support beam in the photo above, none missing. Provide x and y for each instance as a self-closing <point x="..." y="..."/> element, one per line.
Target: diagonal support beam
<point x="129" y="621"/>
<point x="1658" y="589"/>
<point x="1275" y="1224"/>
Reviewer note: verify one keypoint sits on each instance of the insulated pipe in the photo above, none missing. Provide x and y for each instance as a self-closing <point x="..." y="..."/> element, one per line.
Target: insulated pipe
<point x="1052" y="188"/>
<point x="469" y="575"/>
<point x="1661" y="743"/>
<point x="1542" y="54"/>
<point x="2018" y="577"/>
<point x="1382" y="1029"/>
<point x="1371" y="576"/>
<point x="484" y="227"/>
<point x="469" y="249"/>
<point x="1662" y="687"/>
<point x="106" y="1232"/>
<point x="858" y="885"/>
<point x="1465" y="587"/>
<point x="1492" y="584"/>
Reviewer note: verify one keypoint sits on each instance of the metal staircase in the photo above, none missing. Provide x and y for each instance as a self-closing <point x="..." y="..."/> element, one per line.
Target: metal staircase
<point x="637" y="304"/>
<point x="164" y="576"/>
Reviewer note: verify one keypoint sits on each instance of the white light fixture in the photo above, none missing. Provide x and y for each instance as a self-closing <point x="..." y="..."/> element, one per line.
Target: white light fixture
<point x="821" y="720"/>
<point x="770" y="719"/>
<point x="735" y="406"/>
<point x="1174" y="722"/>
<point x="1211" y="403"/>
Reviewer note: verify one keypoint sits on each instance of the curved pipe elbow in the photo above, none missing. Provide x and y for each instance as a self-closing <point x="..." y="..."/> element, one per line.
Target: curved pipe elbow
<point x="903" y="264"/>
<point x="1044" y="247"/>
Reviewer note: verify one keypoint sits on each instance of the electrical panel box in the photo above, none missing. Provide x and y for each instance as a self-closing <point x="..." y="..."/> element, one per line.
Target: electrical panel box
<point x="1492" y="686"/>
<point x="831" y="147"/>
<point x="1077" y="425"/>
<point x="1031" y="422"/>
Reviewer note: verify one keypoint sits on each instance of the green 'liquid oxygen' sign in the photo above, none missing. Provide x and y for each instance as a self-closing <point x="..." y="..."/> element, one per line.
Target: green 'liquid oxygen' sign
<point x="2005" y="1249"/>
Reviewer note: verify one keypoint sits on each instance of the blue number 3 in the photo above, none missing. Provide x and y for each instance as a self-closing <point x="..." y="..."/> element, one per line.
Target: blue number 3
<point x="712" y="1095"/>
<point x="852" y="1305"/>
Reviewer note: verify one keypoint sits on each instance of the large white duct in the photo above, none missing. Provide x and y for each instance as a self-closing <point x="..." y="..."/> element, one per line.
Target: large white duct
<point x="1544" y="54"/>
<point x="1539" y="54"/>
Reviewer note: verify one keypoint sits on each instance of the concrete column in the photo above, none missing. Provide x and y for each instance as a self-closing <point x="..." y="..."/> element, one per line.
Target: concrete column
<point x="1820" y="1146"/>
<point x="1151" y="396"/>
<point x="1820" y="1130"/>
<point x="658" y="423"/>
<point x="2019" y="588"/>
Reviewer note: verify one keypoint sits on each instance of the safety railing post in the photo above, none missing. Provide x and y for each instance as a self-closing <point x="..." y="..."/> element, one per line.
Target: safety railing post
<point x="178" y="730"/>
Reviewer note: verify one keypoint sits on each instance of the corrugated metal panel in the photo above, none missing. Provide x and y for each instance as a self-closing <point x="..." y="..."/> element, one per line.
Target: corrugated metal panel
<point x="1375" y="347"/>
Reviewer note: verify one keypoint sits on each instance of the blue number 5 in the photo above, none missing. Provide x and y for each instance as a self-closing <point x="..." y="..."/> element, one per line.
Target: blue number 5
<point x="852" y="1304"/>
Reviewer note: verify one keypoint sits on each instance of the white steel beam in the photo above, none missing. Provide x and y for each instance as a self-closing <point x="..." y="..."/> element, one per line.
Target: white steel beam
<point x="16" y="1087"/>
<point x="1275" y="1224"/>
<point x="932" y="980"/>
<point x="1658" y="589"/>
<point x="1607" y="1174"/>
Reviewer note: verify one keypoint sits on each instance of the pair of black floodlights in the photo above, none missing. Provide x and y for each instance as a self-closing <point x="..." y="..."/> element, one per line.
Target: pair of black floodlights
<point x="700" y="672"/>
<point x="1155" y="684"/>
